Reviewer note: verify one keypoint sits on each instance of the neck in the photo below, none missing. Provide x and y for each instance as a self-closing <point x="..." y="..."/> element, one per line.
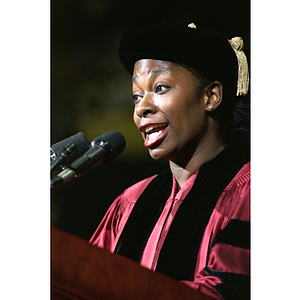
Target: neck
<point x="182" y="172"/>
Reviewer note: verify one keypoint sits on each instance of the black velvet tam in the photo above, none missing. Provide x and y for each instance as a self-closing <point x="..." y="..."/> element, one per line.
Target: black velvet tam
<point x="207" y="52"/>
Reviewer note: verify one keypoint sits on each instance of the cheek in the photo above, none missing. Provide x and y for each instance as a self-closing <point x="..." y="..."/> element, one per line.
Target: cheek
<point x="185" y="110"/>
<point x="136" y="119"/>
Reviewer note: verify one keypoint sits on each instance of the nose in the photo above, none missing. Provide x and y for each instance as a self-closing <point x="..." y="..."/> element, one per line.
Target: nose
<point x="145" y="106"/>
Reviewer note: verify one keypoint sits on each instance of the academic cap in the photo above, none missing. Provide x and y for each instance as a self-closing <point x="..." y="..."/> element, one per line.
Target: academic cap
<point x="209" y="53"/>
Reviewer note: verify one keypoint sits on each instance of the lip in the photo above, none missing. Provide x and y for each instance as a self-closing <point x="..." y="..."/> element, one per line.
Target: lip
<point x="155" y="141"/>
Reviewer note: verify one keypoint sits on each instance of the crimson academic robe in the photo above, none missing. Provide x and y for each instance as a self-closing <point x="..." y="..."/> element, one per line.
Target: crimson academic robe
<point x="222" y="268"/>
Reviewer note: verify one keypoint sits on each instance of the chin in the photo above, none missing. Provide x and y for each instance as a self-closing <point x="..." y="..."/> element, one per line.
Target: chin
<point x="156" y="154"/>
<point x="159" y="155"/>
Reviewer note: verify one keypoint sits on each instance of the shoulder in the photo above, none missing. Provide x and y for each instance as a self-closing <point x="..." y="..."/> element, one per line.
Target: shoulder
<point x="241" y="179"/>
<point x="234" y="201"/>
<point x="131" y="194"/>
<point x="137" y="188"/>
<point x="116" y="216"/>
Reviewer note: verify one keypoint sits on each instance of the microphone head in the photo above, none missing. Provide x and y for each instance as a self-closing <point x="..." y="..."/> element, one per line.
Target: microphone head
<point x="79" y="139"/>
<point x="113" y="143"/>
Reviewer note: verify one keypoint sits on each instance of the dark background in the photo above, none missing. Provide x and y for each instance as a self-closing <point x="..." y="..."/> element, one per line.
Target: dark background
<point x="91" y="92"/>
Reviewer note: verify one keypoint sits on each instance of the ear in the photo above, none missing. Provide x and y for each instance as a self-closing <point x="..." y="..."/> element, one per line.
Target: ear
<point x="213" y="95"/>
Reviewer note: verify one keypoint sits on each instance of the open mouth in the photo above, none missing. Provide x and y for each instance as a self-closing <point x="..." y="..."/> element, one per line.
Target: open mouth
<point x="154" y="134"/>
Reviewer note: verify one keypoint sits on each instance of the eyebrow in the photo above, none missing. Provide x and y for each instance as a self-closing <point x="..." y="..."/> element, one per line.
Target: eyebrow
<point x="152" y="73"/>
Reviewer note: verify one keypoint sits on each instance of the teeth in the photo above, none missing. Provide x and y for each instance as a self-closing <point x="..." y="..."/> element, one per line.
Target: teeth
<point x="150" y="128"/>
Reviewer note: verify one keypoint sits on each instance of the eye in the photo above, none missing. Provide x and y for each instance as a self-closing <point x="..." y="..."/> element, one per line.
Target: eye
<point x="136" y="98"/>
<point x="161" y="88"/>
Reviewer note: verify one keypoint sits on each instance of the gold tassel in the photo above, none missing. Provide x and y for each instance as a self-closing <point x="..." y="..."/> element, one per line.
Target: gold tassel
<point x="237" y="45"/>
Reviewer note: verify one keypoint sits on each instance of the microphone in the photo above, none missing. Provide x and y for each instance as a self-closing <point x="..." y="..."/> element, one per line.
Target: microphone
<point x="68" y="150"/>
<point x="103" y="150"/>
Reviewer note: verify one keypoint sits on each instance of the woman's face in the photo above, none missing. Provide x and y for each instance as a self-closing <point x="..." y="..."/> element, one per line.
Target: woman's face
<point x="168" y="112"/>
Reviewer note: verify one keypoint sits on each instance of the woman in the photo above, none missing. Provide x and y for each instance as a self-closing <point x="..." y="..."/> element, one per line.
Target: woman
<point x="191" y="222"/>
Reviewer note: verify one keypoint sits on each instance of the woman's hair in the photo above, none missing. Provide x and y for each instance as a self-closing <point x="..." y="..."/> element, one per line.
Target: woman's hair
<point x="199" y="81"/>
<point x="224" y="113"/>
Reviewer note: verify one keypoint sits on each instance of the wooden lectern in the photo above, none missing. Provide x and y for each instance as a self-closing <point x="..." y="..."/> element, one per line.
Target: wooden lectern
<point x="82" y="271"/>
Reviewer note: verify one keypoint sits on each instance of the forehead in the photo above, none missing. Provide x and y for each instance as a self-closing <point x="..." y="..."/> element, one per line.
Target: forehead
<point x="152" y="67"/>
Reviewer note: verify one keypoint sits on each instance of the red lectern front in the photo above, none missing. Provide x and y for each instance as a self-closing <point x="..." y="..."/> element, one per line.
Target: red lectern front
<point x="82" y="271"/>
